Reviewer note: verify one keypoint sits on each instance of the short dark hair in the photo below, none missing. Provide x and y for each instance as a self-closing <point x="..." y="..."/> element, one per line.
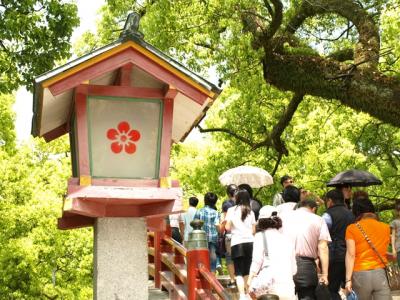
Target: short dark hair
<point x="310" y="203"/>
<point x="362" y="204"/>
<point x="335" y="195"/>
<point x="245" y="186"/>
<point x="231" y="190"/>
<point x="291" y="194"/>
<point x="210" y="199"/>
<point x="193" y="201"/>
<point x="284" y="178"/>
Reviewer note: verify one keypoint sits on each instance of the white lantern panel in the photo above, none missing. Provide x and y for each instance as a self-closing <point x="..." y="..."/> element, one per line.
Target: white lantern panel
<point x="124" y="137"/>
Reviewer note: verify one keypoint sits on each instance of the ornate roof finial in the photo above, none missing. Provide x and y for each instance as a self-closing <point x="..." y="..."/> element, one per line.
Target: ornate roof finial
<point x="131" y="27"/>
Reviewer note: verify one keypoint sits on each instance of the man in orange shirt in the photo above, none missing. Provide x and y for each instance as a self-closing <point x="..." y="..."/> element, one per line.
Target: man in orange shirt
<point x="364" y="269"/>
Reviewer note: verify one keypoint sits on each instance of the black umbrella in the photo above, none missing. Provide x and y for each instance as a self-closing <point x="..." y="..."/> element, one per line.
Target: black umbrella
<point x="354" y="178"/>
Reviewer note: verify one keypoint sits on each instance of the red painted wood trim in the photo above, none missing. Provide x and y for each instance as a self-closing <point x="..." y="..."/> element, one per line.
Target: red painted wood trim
<point x="55" y="133"/>
<point x="143" y="210"/>
<point x="166" y="139"/>
<point x="101" y="209"/>
<point x="157" y="258"/>
<point x="155" y="223"/>
<point x="88" y="208"/>
<point x="193" y="259"/>
<point x="164" y="75"/>
<point x="213" y="281"/>
<point x="74" y="221"/>
<point x="171" y="93"/>
<point x="109" y="64"/>
<point x="120" y="59"/>
<point x="125" y="91"/>
<point x="82" y="128"/>
<point x="125" y="74"/>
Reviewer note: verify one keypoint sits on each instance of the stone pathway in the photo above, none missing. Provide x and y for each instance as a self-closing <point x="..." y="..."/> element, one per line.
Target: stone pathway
<point x="156" y="294"/>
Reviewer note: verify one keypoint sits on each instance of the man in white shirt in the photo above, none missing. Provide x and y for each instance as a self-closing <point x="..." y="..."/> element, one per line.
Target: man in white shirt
<point x="188" y="217"/>
<point x="310" y="235"/>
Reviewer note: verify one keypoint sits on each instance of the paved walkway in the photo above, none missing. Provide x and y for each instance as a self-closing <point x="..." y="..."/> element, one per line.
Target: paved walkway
<point x="156" y="294"/>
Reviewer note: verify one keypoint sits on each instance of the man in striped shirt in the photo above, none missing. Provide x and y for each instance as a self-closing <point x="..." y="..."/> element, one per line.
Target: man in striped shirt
<point x="211" y="218"/>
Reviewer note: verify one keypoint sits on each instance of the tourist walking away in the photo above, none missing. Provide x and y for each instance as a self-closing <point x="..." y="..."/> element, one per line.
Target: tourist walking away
<point x="228" y="203"/>
<point x="211" y="220"/>
<point x="188" y="217"/>
<point x="255" y="204"/>
<point x="337" y="218"/>
<point x="176" y="224"/>
<point x="278" y="197"/>
<point x="310" y="235"/>
<point x="273" y="262"/>
<point x="240" y="221"/>
<point x="217" y="252"/>
<point x="395" y="228"/>
<point x="365" y="273"/>
<point x="291" y="194"/>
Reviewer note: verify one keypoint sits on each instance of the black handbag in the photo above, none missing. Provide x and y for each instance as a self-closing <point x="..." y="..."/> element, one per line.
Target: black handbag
<point x="221" y="249"/>
<point x="322" y="292"/>
<point x="392" y="271"/>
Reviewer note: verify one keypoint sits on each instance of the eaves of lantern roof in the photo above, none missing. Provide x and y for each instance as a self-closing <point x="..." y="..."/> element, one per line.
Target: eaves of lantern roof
<point x="177" y="65"/>
<point x="53" y="90"/>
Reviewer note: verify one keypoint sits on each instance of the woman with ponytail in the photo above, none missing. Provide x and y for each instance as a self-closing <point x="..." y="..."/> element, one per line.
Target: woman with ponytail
<point x="273" y="260"/>
<point x="240" y="221"/>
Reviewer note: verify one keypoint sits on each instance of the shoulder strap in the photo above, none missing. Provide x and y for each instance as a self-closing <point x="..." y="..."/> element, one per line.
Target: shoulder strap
<point x="370" y="243"/>
<point x="265" y="244"/>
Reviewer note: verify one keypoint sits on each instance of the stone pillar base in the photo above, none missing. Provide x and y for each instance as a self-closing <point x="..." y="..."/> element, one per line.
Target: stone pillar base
<point x="120" y="259"/>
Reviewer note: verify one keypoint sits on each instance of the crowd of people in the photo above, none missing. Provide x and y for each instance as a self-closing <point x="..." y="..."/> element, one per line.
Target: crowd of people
<point x="288" y="250"/>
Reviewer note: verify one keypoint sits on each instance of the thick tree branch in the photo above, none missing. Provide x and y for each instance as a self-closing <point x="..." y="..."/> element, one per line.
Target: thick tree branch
<point x="261" y="33"/>
<point x="274" y="138"/>
<point x="269" y="8"/>
<point x="276" y="20"/>
<point x="229" y="132"/>
<point x="367" y="48"/>
<point x="278" y="161"/>
<point x="361" y="89"/>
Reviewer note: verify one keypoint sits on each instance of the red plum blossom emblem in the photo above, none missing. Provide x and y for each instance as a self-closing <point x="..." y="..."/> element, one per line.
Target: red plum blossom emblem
<point x="123" y="138"/>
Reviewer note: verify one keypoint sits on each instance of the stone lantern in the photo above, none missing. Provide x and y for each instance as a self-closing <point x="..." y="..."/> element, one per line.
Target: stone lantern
<point x="123" y="105"/>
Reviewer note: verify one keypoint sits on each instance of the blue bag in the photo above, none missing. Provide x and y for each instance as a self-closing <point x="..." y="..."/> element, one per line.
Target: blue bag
<point x="352" y="296"/>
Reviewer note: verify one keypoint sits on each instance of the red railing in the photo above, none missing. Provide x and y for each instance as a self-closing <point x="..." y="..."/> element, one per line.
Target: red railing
<point x="183" y="273"/>
<point x="214" y="283"/>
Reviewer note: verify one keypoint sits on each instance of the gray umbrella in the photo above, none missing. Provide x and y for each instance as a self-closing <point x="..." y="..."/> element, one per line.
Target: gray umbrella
<point x="354" y="178"/>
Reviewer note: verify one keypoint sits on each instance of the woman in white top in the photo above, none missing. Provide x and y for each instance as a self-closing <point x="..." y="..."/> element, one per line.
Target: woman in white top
<point x="240" y="221"/>
<point x="279" y="259"/>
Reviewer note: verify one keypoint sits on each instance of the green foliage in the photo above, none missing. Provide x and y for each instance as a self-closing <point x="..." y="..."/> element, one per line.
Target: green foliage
<point x="35" y="34"/>
<point x="37" y="260"/>
<point x="7" y="118"/>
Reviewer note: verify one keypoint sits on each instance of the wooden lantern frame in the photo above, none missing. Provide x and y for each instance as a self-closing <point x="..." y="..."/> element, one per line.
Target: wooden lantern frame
<point x="182" y="94"/>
